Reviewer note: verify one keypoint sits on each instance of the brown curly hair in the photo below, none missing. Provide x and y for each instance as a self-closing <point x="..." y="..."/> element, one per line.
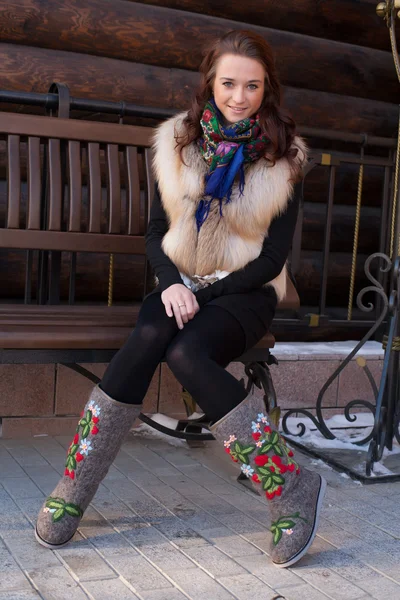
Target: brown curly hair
<point x="274" y="120"/>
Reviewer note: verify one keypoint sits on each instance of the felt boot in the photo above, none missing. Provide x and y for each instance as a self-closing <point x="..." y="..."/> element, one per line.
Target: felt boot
<point x="294" y="495"/>
<point x="100" y="432"/>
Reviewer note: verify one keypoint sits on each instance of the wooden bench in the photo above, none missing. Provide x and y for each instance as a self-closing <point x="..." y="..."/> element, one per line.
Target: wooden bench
<point x="62" y="214"/>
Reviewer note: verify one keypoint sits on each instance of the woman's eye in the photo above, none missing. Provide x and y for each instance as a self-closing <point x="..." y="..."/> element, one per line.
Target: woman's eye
<point x="252" y="86"/>
<point x="227" y="83"/>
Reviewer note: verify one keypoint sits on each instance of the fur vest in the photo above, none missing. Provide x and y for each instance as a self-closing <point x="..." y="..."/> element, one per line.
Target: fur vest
<point x="227" y="243"/>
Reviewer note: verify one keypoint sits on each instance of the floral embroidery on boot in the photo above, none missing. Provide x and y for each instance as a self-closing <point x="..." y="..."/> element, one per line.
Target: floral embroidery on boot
<point x="284" y="525"/>
<point x="268" y="471"/>
<point x="80" y="447"/>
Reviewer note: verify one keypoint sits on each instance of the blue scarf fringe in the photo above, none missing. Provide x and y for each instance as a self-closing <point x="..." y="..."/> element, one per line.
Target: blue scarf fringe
<point x="219" y="185"/>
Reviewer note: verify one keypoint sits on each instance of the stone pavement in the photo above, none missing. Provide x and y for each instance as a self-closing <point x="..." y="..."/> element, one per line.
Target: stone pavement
<point x="169" y="522"/>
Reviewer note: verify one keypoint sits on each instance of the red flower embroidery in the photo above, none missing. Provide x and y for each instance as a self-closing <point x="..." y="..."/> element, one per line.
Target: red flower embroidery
<point x="297" y="470"/>
<point x="95" y="419"/>
<point x="261" y="460"/>
<point x="255" y="478"/>
<point x="267" y="429"/>
<point x="66" y="472"/>
<point x="234" y="459"/>
<point x="78" y="457"/>
<point x="290" y="453"/>
<point x="228" y="450"/>
<point x="256" y="436"/>
<point x="76" y="438"/>
<point x="95" y="430"/>
<point x="272" y="469"/>
<point x="270" y="495"/>
<point x="72" y="474"/>
<point x="207" y="115"/>
<point x="291" y="468"/>
<point x="276" y="460"/>
<point x="278" y="492"/>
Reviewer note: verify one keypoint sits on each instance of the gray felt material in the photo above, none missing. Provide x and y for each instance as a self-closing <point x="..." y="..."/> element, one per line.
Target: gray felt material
<point x="293" y="495"/>
<point x="100" y="432"/>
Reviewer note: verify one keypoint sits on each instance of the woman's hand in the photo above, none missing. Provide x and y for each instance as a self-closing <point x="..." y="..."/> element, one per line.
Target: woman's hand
<point x="180" y="302"/>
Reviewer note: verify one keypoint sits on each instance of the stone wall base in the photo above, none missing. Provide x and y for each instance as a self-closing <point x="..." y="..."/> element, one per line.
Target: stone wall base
<point x="47" y="399"/>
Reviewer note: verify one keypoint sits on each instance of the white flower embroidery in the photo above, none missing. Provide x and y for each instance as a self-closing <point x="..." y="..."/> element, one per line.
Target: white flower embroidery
<point x="255" y="427"/>
<point x="86" y="446"/>
<point x="288" y="531"/>
<point x="95" y="409"/>
<point x="46" y="509"/>
<point x="260" y="443"/>
<point x="247" y="470"/>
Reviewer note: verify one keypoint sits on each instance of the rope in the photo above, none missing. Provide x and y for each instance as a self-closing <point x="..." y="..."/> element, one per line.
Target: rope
<point x="396" y="177"/>
<point x="355" y="241"/>
<point x="110" y="280"/>
<point x="396" y="343"/>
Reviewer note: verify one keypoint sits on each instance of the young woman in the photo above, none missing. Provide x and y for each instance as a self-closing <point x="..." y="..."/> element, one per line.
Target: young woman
<point x="220" y="231"/>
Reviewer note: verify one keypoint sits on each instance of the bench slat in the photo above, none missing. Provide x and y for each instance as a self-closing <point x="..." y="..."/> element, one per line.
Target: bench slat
<point x="94" y="187"/>
<point x="75" y="186"/>
<point x="34" y="184"/>
<point x="133" y="191"/>
<point x="14" y="182"/>
<point x="150" y="180"/>
<point x="55" y="185"/>
<point x="114" y="189"/>
<point x="70" y="129"/>
<point x="71" y="241"/>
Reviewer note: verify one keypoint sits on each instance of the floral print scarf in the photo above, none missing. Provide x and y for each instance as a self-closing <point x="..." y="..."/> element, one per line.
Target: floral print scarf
<point x="226" y="148"/>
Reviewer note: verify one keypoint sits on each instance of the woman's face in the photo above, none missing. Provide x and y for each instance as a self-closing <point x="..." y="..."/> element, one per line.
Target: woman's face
<point x="238" y="87"/>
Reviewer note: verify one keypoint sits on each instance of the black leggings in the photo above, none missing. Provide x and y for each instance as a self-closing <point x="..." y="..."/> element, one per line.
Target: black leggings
<point x="197" y="355"/>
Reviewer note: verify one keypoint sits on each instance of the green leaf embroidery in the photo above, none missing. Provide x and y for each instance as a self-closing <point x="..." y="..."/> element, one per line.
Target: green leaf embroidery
<point x="248" y="450"/>
<point x="266" y="448"/>
<point x="283" y="524"/>
<point x="72" y="462"/>
<point x="58" y="514"/>
<point x="286" y="524"/>
<point x="68" y="464"/>
<point x="278" y="450"/>
<point x="88" y="416"/>
<point x="83" y="423"/>
<point x="73" y="510"/>
<point x="74" y="449"/>
<point x="267" y="483"/>
<point x="237" y="447"/>
<point x="277" y="536"/>
<point x="243" y="459"/>
<point x="86" y="431"/>
<point x="274" y="438"/>
<point x="55" y="503"/>
<point x="263" y="471"/>
<point x="278" y="479"/>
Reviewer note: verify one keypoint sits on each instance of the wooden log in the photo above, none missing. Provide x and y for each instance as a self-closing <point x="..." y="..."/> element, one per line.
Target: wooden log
<point x="164" y="37"/>
<point x="342" y="20"/>
<point x="92" y="277"/>
<point x="342" y="229"/>
<point x="34" y="69"/>
<point x="316" y="185"/>
<point x="308" y="278"/>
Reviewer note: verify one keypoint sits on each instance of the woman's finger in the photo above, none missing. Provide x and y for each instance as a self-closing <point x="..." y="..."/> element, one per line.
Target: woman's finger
<point x="178" y="315"/>
<point x="168" y="308"/>
<point x="184" y="311"/>
<point x="189" y="308"/>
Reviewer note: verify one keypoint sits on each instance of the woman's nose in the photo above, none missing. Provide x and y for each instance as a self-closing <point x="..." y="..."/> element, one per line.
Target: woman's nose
<point x="238" y="95"/>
